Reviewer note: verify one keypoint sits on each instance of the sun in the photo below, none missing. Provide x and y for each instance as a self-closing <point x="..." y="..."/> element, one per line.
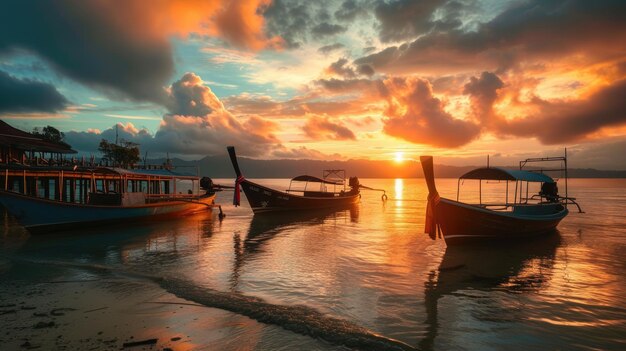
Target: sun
<point x="399" y="157"/>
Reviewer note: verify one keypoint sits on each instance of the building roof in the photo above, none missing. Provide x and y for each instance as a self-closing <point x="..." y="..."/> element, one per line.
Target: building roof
<point x="496" y="173"/>
<point x="18" y="139"/>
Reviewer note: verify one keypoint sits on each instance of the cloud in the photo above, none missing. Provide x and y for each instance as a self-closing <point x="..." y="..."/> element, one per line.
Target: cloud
<point x="526" y="31"/>
<point x="351" y="10"/>
<point x="290" y="21"/>
<point x="564" y="121"/>
<point x="263" y="105"/>
<point x="415" y="115"/>
<point x="405" y="19"/>
<point x="89" y="140"/>
<point x="605" y="155"/>
<point x="483" y="93"/>
<point x="340" y="68"/>
<point x="350" y="85"/>
<point x="189" y="97"/>
<point x="196" y="124"/>
<point x="318" y="128"/>
<point x="124" y="49"/>
<point x="330" y="48"/>
<point x="327" y="29"/>
<point x="299" y="22"/>
<point x="28" y="96"/>
<point x="303" y="152"/>
<point x="240" y="23"/>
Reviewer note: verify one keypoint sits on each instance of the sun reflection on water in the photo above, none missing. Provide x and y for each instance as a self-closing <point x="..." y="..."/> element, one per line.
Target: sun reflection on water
<point x="398" y="190"/>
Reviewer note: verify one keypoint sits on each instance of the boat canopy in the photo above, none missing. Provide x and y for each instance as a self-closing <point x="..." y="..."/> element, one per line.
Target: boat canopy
<point x="312" y="179"/>
<point x="496" y="173"/>
<point x="145" y="172"/>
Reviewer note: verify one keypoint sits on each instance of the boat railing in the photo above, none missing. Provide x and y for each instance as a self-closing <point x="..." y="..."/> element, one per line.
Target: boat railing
<point x="510" y="207"/>
<point x="564" y="200"/>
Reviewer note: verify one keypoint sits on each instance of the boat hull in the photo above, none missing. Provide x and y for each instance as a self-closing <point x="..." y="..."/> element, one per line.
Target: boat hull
<point x="263" y="199"/>
<point x="41" y="215"/>
<point x="461" y="223"/>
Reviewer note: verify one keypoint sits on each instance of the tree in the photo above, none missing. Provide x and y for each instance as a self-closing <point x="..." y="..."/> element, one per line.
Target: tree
<point x="125" y="154"/>
<point x="49" y="133"/>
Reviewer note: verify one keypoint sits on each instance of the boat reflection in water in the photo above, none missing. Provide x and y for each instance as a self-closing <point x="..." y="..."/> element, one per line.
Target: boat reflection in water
<point x="266" y="227"/>
<point x="466" y="270"/>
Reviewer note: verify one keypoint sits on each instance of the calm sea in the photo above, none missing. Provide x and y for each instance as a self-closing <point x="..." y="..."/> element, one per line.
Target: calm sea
<point x="364" y="278"/>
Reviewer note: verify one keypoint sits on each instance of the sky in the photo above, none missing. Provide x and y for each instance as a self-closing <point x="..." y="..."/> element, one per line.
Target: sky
<point x="331" y="80"/>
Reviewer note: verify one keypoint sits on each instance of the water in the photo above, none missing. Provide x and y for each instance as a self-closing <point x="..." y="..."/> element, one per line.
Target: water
<point x="363" y="278"/>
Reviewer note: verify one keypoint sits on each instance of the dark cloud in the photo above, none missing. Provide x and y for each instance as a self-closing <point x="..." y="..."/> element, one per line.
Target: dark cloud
<point x="82" y="40"/>
<point x="365" y="70"/>
<point x="330" y="48"/>
<point x="368" y="49"/>
<point x="349" y="85"/>
<point x="327" y="29"/>
<point x="526" y="30"/>
<point x="483" y="93"/>
<point x="297" y="22"/>
<point x="341" y="68"/>
<point x="318" y="128"/>
<point x="27" y="96"/>
<point x="568" y="121"/>
<point x="291" y="21"/>
<point x="350" y="10"/>
<point x="415" y="115"/>
<point x="124" y="49"/>
<point x="405" y="19"/>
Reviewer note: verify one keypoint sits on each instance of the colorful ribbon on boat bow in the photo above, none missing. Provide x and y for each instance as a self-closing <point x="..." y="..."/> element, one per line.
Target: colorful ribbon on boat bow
<point x="237" y="195"/>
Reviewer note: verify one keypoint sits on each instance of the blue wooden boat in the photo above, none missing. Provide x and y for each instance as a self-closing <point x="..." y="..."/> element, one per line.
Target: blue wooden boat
<point x="526" y="216"/>
<point x="48" y="199"/>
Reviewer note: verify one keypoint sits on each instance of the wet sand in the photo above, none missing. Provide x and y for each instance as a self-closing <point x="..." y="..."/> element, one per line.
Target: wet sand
<point x="108" y="314"/>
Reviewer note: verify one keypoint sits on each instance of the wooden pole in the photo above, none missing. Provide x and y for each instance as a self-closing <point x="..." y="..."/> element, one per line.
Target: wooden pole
<point x="61" y="185"/>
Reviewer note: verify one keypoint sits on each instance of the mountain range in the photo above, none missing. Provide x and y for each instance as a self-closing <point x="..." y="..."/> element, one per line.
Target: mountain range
<point x="220" y="167"/>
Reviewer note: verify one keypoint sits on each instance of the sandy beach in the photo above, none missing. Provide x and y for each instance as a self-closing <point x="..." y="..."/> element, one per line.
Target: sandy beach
<point x="95" y="313"/>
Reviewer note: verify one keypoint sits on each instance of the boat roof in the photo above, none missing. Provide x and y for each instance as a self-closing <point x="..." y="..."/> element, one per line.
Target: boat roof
<point x="160" y="172"/>
<point x="312" y="179"/>
<point x="496" y="173"/>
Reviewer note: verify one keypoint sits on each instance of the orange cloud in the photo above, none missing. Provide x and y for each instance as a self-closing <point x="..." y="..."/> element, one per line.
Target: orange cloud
<point x="415" y="115"/>
<point x="239" y="22"/>
<point x="323" y="128"/>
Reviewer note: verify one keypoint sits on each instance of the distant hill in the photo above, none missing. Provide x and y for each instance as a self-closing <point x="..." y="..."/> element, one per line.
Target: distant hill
<point x="220" y="167"/>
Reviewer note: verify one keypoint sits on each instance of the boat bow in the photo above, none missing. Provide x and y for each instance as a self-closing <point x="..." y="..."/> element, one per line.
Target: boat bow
<point x="431" y="227"/>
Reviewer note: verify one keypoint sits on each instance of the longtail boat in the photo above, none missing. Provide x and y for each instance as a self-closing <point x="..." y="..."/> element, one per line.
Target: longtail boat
<point x="264" y="199"/>
<point x="524" y="216"/>
<point x="46" y="199"/>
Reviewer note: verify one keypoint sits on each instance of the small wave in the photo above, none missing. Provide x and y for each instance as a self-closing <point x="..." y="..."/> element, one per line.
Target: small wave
<point x="296" y="318"/>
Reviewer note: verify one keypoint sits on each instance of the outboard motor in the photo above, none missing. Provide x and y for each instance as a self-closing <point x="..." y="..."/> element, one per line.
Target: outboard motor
<point x="550" y="191"/>
<point x="206" y="183"/>
<point x="354" y="183"/>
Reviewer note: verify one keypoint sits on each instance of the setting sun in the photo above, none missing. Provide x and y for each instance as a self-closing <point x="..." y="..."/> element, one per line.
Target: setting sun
<point x="399" y="157"/>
